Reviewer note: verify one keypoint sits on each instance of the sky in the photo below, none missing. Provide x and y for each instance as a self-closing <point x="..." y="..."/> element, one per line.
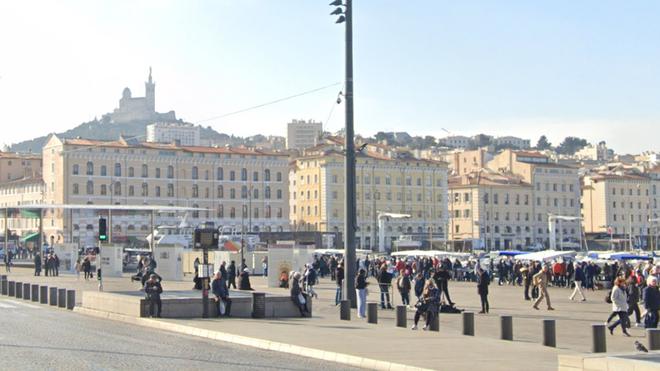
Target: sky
<point x="581" y="68"/>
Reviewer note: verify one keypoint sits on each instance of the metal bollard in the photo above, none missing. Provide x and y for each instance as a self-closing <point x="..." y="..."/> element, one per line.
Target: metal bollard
<point x="52" y="296"/>
<point x="70" y="299"/>
<point x="435" y="324"/>
<point x="653" y="338"/>
<point x="43" y="294"/>
<point x="11" y="288"/>
<point x="401" y="316"/>
<point x="26" y="291"/>
<point x="549" y="333"/>
<point x="258" y="305"/>
<point x="372" y="312"/>
<point x="19" y="290"/>
<point x="598" y="342"/>
<point x="506" y="328"/>
<point x="345" y="310"/>
<point x="61" y="298"/>
<point x="35" y="292"/>
<point x="468" y="323"/>
<point x="4" y="285"/>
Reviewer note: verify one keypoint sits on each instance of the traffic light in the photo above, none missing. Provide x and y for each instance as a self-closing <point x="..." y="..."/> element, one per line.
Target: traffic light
<point x="103" y="230"/>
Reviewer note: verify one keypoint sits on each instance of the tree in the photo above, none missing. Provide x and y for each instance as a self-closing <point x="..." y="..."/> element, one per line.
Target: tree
<point x="543" y="143"/>
<point x="570" y="145"/>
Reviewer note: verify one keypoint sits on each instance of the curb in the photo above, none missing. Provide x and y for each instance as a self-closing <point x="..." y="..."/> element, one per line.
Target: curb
<point x="319" y="354"/>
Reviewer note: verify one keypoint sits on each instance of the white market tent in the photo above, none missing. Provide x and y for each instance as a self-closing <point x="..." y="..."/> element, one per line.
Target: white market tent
<point x="340" y="252"/>
<point x="546" y="255"/>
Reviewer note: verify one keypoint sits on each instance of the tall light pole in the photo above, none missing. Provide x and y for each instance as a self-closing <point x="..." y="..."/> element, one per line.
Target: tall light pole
<point x="350" y="222"/>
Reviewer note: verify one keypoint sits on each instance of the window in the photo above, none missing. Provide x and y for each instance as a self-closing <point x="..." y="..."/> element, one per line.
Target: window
<point x="116" y="188"/>
<point x="104" y="170"/>
<point x="131" y="172"/>
<point x="90" y="168"/>
<point x="170" y="172"/>
<point x="219" y="174"/>
<point x="104" y="190"/>
<point x="232" y="193"/>
<point x="278" y="176"/>
<point x="255" y="194"/>
<point x="131" y="191"/>
<point x="195" y="214"/>
<point x="75" y="188"/>
<point x="255" y="176"/>
<point x="221" y="211"/>
<point x="195" y="172"/>
<point x="221" y="192"/>
<point x="279" y="212"/>
<point x="244" y="174"/>
<point x="157" y="191"/>
<point x="267" y="214"/>
<point x="90" y="187"/>
<point x="486" y="198"/>
<point x="267" y="193"/>
<point x="244" y="192"/>
<point x="279" y="194"/>
<point x="76" y="169"/>
<point x="232" y="175"/>
<point x="145" y="190"/>
<point x="195" y="191"/>
<point x="170" y="190"/>
<point x="145" y="171"/>
<point x="267" y="175"/>
<point x="232" y="212"/>
<point x="495" y="198"/>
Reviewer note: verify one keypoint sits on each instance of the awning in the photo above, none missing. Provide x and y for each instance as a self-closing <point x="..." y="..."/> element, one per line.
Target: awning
<point x="30" y="237"/>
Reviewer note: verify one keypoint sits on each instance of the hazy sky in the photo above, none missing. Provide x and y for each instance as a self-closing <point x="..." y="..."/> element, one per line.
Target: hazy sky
<point x="525" y="68"/>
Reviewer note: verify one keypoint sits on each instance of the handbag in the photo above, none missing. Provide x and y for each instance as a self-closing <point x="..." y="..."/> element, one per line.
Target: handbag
<point x="222" y="307"/>
<point x="301" y="299"/>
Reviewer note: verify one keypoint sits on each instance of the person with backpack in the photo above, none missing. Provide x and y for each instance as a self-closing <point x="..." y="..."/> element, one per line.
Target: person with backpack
<point x="310" y="281"/>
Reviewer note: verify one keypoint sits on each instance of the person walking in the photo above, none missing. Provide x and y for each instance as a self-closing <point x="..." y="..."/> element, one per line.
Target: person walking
<point x="579" y="277"/>
<point x="221" y="293"/>
<point x="441" y="278"/>
<point x="56" y="264"/>
<point x="361" y="290"/>
<point x="619" y="306"/>
<point x="403" y="285"/>
<point x="526" y="274"/>
<point x="540" y="280"/>
<point x="231" y="275"/>
<point x="483" y="280"/>
<point x="632" y="291"/>
<point x="339" y="277"/>
<point x="152" y="291"/>
<point x="419" y="285"/>
<point x="87" y="268"/>
<point x="651" y="300"/>
<point x="8" y="257"/>
<point x="37" y="265"/>
<point x="428" y="305"/>
<point x="384" y="281"/>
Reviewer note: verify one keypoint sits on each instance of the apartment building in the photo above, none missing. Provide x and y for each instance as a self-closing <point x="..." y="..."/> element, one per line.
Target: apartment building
<point x="301" y="134"/>
<point x="240" y="188"/>
<point x="555" y="193"/>
<point x="490" y="210"/>
<point x="15" y="166"/>
<point x="383" y="184"/>
<point x="23" y="224"/>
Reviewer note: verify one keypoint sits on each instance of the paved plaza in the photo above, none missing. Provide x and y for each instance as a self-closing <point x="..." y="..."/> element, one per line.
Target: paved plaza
<point x="384" y="341"/>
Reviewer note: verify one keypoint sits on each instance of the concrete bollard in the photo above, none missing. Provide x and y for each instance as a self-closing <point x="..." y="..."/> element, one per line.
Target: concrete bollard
<point x="35" y="292"/>
<point x="70" y="299"/>
<point x="52" y="296"/>
<point x="401" y="316"/>
<point x="506" y="328"/>
<point x="11" y="288"/>
<point x="26" y="291"/>
<point x="653" y="338"/>
<point x="598" y="342"/>
<point x="549" y="333"/>
<point x="372" y="313"/>
<point x="61" y="298"/>
<point x="468" y="323"/>
<point x="4" y="285"/>
<point x="19" y="290"/>
<point x="435" y="324"/>
<point x="43" y="294"/>
<point x="345" y="310"/>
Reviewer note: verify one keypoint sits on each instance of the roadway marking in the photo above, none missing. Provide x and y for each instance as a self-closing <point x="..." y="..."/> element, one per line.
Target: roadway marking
<point x="5" y="305"/>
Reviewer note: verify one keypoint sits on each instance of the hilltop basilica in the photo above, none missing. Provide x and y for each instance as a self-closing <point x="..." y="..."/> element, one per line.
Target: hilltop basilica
<point x="140" y="108"/>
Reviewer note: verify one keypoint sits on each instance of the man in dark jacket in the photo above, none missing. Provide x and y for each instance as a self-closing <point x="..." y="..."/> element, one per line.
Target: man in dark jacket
<point x="37" y="264"/>
<point x="419" y="285"/>
<point x="384" y="282"/>
<point x="231" y="275"/>
<point x="651" y="299"/>
<point x="221" y="293"/>
<point x="441" y="278"/>
<point x="152" y="291"/>
<point x="578" y="278"/>
<point x="633" y="299"/>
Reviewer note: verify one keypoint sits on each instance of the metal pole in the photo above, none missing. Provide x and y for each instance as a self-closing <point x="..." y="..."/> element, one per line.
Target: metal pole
<point x="153" y="237"/>
<point x="205" y="282"/>
<point x="349" y="215"/>
<point x="7" y="232"/>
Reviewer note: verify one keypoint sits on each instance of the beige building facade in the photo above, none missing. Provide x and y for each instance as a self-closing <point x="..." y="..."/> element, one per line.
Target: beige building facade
<point x="383" y="184"/>
<point x="241" y="189"/>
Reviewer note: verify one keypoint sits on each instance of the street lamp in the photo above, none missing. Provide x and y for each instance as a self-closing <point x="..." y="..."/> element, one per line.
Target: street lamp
<point x="346" y="16"/>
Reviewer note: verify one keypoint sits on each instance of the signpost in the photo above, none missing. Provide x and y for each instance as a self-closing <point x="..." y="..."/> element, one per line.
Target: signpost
<point x="206" y="237"/>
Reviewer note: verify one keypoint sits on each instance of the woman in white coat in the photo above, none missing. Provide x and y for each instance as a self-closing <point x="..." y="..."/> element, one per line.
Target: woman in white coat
<point x="619" y="306"/>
